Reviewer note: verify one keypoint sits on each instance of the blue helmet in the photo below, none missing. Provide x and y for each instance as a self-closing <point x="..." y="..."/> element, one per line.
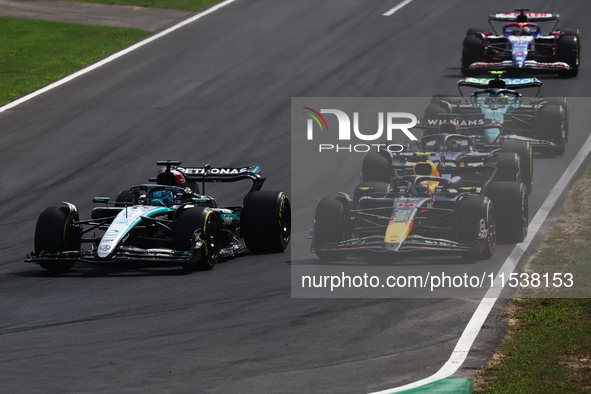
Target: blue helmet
<point x="161" y="198"/>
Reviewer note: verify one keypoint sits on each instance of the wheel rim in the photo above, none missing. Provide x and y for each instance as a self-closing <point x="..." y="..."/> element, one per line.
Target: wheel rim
<point x="213" y="247"/>
<point x="285" y="223"/>
<point x="491" y="239"/>
<point x="524" y="214"/>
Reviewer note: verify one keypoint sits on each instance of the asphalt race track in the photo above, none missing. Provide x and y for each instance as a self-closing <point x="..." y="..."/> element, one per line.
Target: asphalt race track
<point x="218" y="91"/>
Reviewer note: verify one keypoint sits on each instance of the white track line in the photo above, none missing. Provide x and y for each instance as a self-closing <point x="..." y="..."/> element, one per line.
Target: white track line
<point x="399" y="6"/>
<point x="465" y="342"/>
<point x="115" y="56"/>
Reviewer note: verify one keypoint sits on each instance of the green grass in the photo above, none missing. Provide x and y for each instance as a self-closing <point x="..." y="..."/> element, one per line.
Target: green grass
<point x="548" y="349"/>
<point x="35" y="53"/>
<point x="187" y="5"/>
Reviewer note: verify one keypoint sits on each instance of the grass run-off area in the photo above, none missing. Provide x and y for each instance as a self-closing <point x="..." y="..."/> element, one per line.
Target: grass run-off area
<point x="187" y="5"/>
<point x="35" y="53"/>
<point x="548" y="345"/>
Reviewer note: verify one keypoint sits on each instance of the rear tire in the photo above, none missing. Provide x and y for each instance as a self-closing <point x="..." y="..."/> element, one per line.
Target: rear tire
<point x="441" y="99"/>
<point x="187" y="223"/>
<point x="330" y="226"/>
<point x="472" y="52"/>
<point x="568" y="50"/>
<point x="526" y="159"/>
<point x="473" y="31"/>
<point x="435" y="111"/>
<point x="507" y="167"/>
<point x="265" y="221"/>
<point x="562" y="101"/>
<point x="55" y="233"/>
<point x="551" y="126"/>
<point x="474" y="215"/>
<point x="375" y="168"/>
<point x="512" y="210"/>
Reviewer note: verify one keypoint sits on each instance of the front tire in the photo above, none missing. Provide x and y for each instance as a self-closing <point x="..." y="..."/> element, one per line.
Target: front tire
<point x="526" y="160"/>
<point x="194" y="226"/>
<point x="475" y="223"/>
<point x="56" y="232"/>
<point x="330" y="226"/>
<point x="512" y="210"/>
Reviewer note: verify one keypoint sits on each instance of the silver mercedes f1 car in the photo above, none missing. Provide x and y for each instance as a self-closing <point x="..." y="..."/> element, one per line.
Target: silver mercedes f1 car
<point x="168" y="222"/>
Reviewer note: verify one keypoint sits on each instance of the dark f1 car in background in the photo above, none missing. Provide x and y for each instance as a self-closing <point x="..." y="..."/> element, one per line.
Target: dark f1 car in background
<point x="497" y="112"/>
<point x="522" y="47"/>
<point x="166" y="223"/>
<point x="425" y="212"/>
<point x="458" y="154"/>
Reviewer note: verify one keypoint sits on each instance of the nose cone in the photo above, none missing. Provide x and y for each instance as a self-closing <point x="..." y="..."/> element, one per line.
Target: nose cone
<point x="519" y="51"/>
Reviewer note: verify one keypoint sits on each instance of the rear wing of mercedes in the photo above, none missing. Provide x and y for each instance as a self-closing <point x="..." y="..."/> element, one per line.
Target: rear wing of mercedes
<point x="208" y="173"/>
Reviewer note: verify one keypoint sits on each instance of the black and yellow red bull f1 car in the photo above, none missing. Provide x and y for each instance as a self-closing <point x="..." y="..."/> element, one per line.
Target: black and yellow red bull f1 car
<point x="425" y="212"/>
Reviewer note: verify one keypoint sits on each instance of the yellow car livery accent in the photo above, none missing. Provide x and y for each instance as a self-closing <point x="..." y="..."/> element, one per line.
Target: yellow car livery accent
<point x="397" y="232"/>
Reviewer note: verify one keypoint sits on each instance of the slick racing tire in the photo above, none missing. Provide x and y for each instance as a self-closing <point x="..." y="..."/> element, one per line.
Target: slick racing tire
<point x="526" y="160"/>
<point x="508" y="167"/>
<point x="472" y="31"/>
<point x="551" y="122"/>
<point x="186" y="237"/>
<point x="54" y="233"/>
<point x="375" y="168"/>
<point x="435" y="111"/>
<point x="472" y="52"/>
<point x="563" y="101"/>
<point x="568" y="50"/>
<point x="330" y="226"/>
<point x="265" y="221"/>
<point x="372" y="189"/>
<point x="442" y="99"/>
<point x="476" y="225"/>
<point x="512" y="210"/>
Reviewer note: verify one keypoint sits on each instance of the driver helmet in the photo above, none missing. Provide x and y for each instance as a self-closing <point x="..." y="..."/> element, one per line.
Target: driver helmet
<point x="436" y="146"/>
<point x="501" y="99"/>
<point x="161" y="198"/>
<point x="525" y="31"/>
<point x="516" y="31"/>
<point x="452" y="145"/>
<point x="426" y="168"/>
